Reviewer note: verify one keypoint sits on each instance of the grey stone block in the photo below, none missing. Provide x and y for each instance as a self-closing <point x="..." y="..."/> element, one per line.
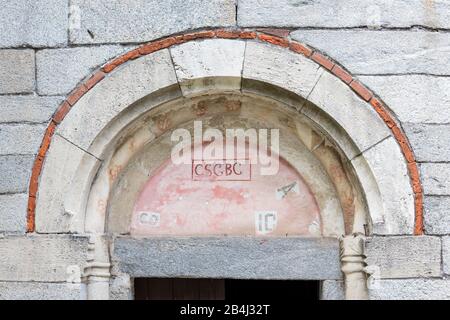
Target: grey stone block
<point x="120" y="288"/>
<point x="109" y="21"/>
<point x="230" y="257"/>
<point x="33" y="23"/>
<point x="42" y="291"/>
<point x="31" y="108"/>
<point x="42" y="258"/>
<point x="395" y="289"/>
<point x="21" y="138"/>
<point x="405" y="257"/>
<point x="383" y="52"/>
<point x="13" y="212"/>
<point x="429" y="141"/>
<point x="15" y="171"/>
<point x="332" y="290"/>
<point x="435" y="178"/>
<point x="17" y="71"/>
<point x="411" y="289"/>
<point x="343" y="13"/>
<point x="70" y="65"/>
<point x="402" y="93"/>
<point x="446" y="255"/>
<point x="437" y="215"/>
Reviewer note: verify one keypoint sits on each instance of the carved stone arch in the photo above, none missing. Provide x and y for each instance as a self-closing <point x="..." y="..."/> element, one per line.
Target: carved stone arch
<point x="110" y="111"/>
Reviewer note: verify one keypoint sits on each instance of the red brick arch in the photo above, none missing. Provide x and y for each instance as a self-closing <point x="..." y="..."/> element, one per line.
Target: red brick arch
<point x="280" y="39"/>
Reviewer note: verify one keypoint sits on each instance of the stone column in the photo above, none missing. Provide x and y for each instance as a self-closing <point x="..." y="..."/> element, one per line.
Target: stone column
<point x="353" y="266"/>
<point x="97" y="272"/>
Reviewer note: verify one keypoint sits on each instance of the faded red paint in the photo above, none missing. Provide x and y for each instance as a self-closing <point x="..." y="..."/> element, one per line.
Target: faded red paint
<point x="216" y="207"/>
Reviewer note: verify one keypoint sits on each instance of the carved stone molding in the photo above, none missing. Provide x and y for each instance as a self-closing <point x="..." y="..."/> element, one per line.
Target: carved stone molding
<point x="97" y="271"/>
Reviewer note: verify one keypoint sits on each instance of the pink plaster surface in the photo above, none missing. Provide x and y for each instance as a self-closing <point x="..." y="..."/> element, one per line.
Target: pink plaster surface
<point x="217" y="207"/>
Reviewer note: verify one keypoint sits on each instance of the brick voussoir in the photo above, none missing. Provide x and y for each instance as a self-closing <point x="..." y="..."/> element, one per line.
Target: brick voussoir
<point x="158" y="45"/>
<point x="35" y="173"/>
<point x="275" y="38"/>
<point x="76" y="94"/>
<point x="300" y="48"/>
<point x="383" y="112"/>
<point x="131" y="55"/>
<point x="31" y="207"/>
<point x="47" y="139"/>
<point x="96" y="78"/>
<point x="282" y="42"/>
<point x="404" y="145"/>
<point x="61" y="112"/>
<point x="361" y="90"/>
<point x="342" y="74"/>
<point x="322" y="60"/>
<point x="418" y="202"/>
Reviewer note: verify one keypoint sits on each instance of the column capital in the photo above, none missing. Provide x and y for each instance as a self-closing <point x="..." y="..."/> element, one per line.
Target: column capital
<point x="353" y="266"/>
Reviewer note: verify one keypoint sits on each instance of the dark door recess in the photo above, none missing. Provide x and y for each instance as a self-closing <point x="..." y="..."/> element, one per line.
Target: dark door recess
<point x="221" y="289"/>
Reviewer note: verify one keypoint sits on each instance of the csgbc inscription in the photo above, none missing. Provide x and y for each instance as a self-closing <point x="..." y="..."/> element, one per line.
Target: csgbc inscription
<point x="228" y="170"/>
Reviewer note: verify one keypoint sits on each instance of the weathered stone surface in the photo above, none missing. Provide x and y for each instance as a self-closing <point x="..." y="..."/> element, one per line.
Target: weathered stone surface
<point x="31" y="108"/>
<point x="395" y="289"/>
<point x="20" y="138"/>
<point x="107" y="21"/>
<point x="274" y="92"/>
<point x="343" y="13"/>
<point x="369" y="184"/>
<point x="230" y="257"/>
<point x="61" y="163"/>
<point x="446" y="255"/>
<point x="17" y="71"/>
<point x="437" y="215"/>
<point x="336" y="133"/>
<point x="115" y="93"/>
<point x="42" y="258"/>
<point x="72" y="65"/>
<point x="120" y="288"/>
<point x="281" y="67"/>
<point x="411" y="289"/>
<point x="332" y="290"/>
<point x="435" y="178"/>
<point x="389" y="168"/>
<point x="373" y="52"/>
<point x="15" y="171"/>
<point x="42" y="291"/>
<point x="33" y="23"/>
<point x="13" y="211"/>
<point x="404" y="257"/>
<point x="402" y="94"/>
<point x="429" y="141"/>
<point x="348" y="110"/>
<point x="210" y="58"/>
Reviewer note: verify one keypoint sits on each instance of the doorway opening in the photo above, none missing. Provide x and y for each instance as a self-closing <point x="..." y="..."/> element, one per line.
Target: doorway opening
<point x="223" y="289"/>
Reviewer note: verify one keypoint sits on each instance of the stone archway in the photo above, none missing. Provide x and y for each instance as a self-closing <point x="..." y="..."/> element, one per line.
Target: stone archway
<point x="85" y="158"/>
